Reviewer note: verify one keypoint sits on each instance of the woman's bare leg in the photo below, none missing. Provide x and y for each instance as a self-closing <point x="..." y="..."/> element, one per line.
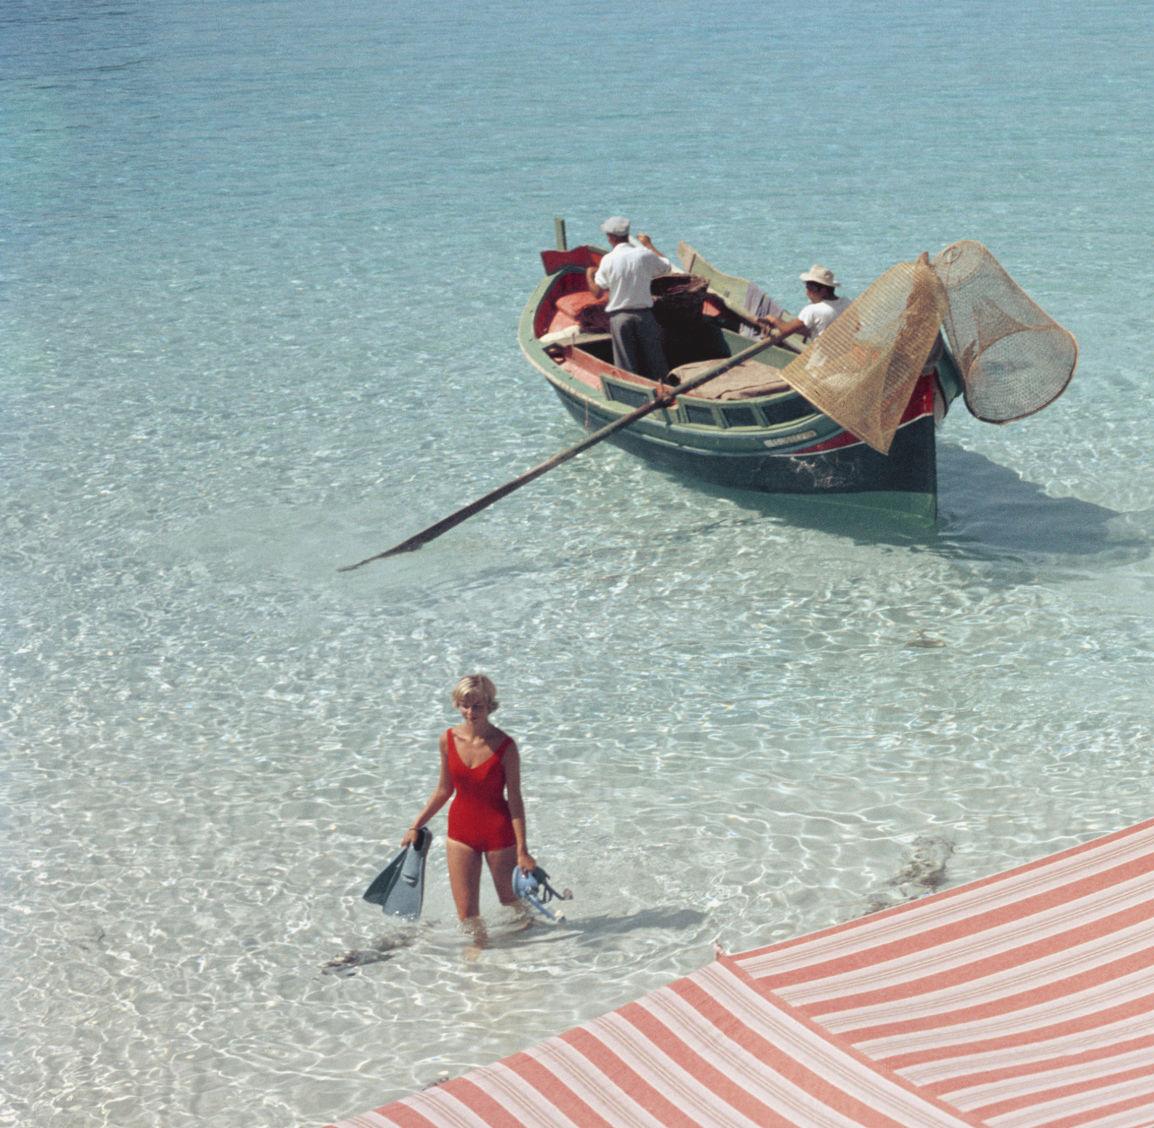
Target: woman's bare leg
<point x="501" y="864"/>
<point x="464" y="878"/>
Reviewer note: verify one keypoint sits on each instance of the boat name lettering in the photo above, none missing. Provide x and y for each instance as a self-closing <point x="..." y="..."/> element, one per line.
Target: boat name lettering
<point x="790" y="440"/>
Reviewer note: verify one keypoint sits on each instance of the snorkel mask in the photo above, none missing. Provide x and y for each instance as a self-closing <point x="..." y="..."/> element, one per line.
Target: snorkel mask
<point x="534" y="887"/>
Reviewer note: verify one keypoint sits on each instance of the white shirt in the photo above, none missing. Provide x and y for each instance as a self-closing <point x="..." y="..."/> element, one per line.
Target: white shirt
<point x="818" y="316"/>
<point x="626" y="272"/>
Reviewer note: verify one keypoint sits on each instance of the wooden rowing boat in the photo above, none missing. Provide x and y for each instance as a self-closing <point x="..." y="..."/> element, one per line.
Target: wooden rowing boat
<point x="748" y="430"/>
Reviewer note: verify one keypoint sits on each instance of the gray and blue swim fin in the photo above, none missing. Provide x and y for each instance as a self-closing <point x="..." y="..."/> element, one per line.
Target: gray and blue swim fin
<point x="400" y="887"/>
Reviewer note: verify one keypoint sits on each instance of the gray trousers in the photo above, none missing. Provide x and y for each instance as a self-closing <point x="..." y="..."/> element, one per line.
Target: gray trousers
<point x="637" y="343"/>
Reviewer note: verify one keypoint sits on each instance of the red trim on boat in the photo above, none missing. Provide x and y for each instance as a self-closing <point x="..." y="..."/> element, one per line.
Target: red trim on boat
<point x="554" y="261"/>
<point x="921" y="404"/>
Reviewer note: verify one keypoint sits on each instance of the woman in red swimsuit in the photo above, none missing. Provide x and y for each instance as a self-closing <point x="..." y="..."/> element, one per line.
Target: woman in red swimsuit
<point x="481" y="765"/>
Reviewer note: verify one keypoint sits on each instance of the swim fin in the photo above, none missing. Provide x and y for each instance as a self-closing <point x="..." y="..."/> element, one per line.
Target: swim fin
<point x="400" y="887"/>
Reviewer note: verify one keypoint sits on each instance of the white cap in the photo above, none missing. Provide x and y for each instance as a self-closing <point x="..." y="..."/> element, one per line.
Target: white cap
<point x="616" y="225"/>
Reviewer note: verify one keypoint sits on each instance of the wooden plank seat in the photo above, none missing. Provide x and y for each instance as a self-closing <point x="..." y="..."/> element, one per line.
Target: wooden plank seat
<point x="571" y="335"/>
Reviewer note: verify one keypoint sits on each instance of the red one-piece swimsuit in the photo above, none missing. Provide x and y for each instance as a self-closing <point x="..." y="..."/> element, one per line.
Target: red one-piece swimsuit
<point x="479" y="814"/>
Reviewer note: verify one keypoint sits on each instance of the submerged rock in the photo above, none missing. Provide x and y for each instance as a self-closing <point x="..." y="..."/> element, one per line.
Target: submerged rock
<point x="923" y="873"/>
<point x="350" y="961"/>
<point x="923" y="641"/>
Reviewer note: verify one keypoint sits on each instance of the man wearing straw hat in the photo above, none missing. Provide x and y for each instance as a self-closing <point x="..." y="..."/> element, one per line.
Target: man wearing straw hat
<point x="625" y="274"/>
<point x="824" y="306"/>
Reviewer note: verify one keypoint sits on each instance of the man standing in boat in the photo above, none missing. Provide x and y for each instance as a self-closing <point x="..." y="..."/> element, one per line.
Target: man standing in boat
<point x="625" y="274"/>
<point x="823" y="308"/>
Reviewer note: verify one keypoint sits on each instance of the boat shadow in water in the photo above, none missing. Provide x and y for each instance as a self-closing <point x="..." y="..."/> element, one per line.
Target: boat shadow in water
<point x="985" y="512"/>
<point x="985" y="509"/>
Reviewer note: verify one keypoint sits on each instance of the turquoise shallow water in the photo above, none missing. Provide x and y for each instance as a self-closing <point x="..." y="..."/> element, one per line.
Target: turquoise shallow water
<point x="261" y="270"/>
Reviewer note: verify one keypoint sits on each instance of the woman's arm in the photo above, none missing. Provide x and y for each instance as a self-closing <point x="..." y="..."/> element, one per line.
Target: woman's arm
<point x="442" y="793"/>
<point x="511" y="762"/>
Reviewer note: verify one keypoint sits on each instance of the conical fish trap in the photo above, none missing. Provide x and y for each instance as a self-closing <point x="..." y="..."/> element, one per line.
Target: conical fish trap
<point x="1014" y="358"/>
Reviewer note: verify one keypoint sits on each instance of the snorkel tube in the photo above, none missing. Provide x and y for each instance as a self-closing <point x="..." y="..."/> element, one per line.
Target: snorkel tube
<point x="534" y="887"/>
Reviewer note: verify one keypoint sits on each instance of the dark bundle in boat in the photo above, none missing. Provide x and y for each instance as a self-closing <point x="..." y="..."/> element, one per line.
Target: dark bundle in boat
<point x="678" y="298"/>
<point x="678" y="305"/>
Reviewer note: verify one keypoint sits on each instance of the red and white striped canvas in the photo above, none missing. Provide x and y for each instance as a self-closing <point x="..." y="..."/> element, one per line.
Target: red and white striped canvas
<point x="1021" y="1000"/>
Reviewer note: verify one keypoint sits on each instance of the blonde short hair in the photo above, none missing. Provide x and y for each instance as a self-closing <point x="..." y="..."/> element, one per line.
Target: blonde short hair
<point x="474" y="687"/>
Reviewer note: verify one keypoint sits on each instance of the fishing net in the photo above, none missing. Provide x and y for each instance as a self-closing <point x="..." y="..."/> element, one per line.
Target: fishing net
<point x="862" y="370"/>
<point x="1014" y="358"/>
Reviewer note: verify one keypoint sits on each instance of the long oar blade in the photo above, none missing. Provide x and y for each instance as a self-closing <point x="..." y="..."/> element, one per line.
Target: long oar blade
<point x="422" y="538"/>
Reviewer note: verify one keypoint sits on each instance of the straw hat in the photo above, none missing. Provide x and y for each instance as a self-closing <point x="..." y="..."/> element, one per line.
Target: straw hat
<point x="822" y="275"/>
<point x="616" y="225"/>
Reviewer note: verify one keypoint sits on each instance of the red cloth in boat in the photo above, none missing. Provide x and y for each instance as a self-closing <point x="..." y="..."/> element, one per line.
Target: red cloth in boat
<point x="586" y="310"/>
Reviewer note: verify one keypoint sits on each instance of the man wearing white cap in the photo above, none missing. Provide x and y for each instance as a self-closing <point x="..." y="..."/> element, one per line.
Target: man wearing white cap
<point x="625" y="274"/>
<point x="815" y="318"/>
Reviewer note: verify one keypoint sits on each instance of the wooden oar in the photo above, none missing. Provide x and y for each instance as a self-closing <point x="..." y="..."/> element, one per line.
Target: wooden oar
<point x="786" y="342"/>
<point x="446" y="523"/>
